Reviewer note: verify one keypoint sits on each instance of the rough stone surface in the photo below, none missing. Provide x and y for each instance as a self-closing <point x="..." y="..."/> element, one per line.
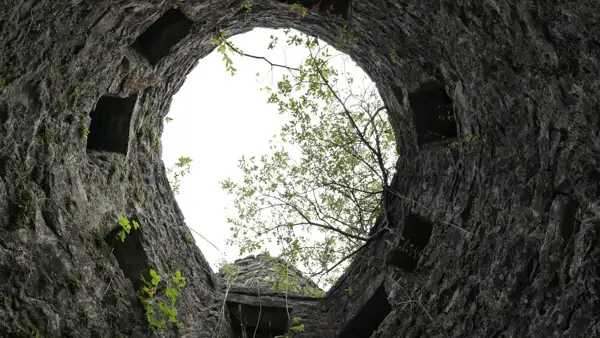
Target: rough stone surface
<point x="263" y="272"/>
<point x="522" y="179"/>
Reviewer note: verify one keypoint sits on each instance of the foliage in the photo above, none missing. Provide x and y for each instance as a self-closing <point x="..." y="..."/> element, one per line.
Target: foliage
<point x="161" y="310"/>
<point x="35" y="333"/>
<point x="74" y="284"/>
<point x="394" y="57"/>
<point x="179" y="170"/>
<point x="409" y="248"/>
<point x="188" y="237"/>
<point x="348" y="38"/>
<point x="299" y="10"/>
<point x="297" y="327"/>
<point x="319" y="190"/>
<point x="247" y="6"/>
<point x="466" y="139"/>
<point x="284" y="281"/>
<point x="223" y="48"/>
<point x="230" y="272"/>
<point x="126" y="227"/>
<point x="85" y="131"/>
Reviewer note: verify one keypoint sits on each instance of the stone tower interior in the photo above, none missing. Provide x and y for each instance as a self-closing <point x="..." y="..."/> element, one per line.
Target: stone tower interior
<point x="520" y="77"/>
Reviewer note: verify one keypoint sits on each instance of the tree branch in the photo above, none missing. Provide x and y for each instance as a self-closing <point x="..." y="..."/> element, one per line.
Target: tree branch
<point x="235" y="49"/>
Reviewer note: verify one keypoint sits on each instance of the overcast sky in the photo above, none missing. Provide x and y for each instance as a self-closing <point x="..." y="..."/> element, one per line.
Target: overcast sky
<point x="217" y="118"/>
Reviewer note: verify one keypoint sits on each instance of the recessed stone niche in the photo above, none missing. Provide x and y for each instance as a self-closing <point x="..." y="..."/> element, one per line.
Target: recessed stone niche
<point x="111" y="120"/>
<point x="258" y="321"/>
<point x="336" y="7"/>
<point x="415" y="237"/>
<point x="130" y="255"/>
<point x="156" y="42"/>
<point x="370" y="316"/>
<point x="433" y="113"/>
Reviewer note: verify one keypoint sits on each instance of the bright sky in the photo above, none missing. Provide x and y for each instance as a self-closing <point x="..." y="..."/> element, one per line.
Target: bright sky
<point x="217" y="118"/>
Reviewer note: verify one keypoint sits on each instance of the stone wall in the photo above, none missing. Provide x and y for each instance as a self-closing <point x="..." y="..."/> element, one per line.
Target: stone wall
<point x="503" y="204"/>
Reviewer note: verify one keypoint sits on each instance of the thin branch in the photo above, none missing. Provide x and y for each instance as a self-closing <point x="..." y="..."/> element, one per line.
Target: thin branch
<point x="428" y="209"/>
<point x="367" y="242"/>
<point x="410" y="300"/>
<point x="351" y="119"/>
<point x="310" y="222"/>
<point x="291" y="225"/>
<point x="238" y="51"/>
<point x="111" y="276"/>
<point x="369" y="193"/>
<point x="222" y="313"/>
<point x="259" y="312"/>
<point x="199" y="234"/>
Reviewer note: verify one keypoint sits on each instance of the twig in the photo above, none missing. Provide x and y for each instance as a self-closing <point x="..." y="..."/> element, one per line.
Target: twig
<point x="259" y="312"/>
<point x="367" y="242"/>
<point x="235" y="49"/>
<point x="222" y="314"/>
<point x="107" y="287"/>
<point x="111" y="276"/>
<point x="197" y="233"/>
<point x="410" y="298"/>
<point x="428" y="209"/>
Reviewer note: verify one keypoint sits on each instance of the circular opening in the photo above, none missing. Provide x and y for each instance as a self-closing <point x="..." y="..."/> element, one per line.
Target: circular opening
<point x="222" y="140"/>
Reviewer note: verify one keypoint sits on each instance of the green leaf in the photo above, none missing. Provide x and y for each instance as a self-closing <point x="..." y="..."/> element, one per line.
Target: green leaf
<point x="155" y="277"/>
<point x="172" y="293"/>
<point x="123" y="221"/>
<point x="121" y="235"/>
<point x="297" y="328"/>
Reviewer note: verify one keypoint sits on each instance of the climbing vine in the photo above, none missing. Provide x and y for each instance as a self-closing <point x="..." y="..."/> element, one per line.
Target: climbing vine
<point x="161" y="310"/>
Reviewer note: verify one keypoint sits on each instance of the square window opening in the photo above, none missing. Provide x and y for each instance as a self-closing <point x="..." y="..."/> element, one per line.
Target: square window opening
<point x="111" y="120"/>
<point x="433" y="114"/>
<point x="336" y="7"/>
<point x="156" y="42"/>
<point x="368" y="319"/>
<point x="415" y="237"/>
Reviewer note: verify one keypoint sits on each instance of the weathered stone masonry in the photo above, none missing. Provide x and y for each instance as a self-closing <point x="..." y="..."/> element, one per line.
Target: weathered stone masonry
<point x="496" y="110"/>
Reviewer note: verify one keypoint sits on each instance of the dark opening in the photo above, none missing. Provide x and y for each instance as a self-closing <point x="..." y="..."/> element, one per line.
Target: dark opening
<point x="369" y="317"/>
<point x="111" y="119"/>
<point x="305" y="3"/>
<point x="434" y="114"/>
<point x="268" y="322"/>
<point x="336" y="7"/>
<point x="567" y="223"/>
<point x="165" y="33"/>
<point x="415" y="237"/>
<point x="131" y="256"/>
